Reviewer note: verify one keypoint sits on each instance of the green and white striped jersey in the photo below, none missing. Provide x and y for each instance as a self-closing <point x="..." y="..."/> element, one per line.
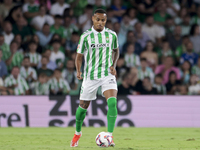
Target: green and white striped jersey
<point x="16" y="60"/>
<point x="20" y="81"/>
<point x="61" y="84"/>
<point x="34" y="58"/>
<point x="25" y="73"/>
<point x="39" y="88"/>
<point x="147" y="73"/>
<point x="161" y="89"/>
<point x="69" y="76"/>
<point x="196" y="70"/>
<point x="97" y="48"/>
<point x="132" y="60"/>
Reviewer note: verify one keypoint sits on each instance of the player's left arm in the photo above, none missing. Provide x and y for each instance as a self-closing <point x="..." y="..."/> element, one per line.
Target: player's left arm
<point x="115" y="56"/>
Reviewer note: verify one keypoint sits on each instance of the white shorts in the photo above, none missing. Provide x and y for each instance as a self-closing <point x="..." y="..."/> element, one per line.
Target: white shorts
<point x="89" y="87"/>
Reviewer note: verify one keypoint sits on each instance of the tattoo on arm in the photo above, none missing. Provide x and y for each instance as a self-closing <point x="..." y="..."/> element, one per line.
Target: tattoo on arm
<point x="84" y="104"/>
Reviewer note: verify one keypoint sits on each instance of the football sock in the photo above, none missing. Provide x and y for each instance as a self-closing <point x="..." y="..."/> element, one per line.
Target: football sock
<point x="80" y="116"/>
<point x="77" y="133"/>
<point x="112" y="113"/>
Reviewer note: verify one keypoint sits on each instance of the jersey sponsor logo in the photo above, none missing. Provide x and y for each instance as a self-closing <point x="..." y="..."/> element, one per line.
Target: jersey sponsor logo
<point x="93" y="45"/>
<point x="100" y="45"/>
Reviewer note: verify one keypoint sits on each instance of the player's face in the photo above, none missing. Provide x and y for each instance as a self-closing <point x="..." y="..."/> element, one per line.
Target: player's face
<point x="99" y="21"/>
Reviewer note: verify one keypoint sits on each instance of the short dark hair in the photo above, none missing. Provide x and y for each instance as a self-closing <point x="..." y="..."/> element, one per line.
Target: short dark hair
<point x="109" y="9"/>
<point x="56" y="41"/>
<point x="32" y="42"/>
<point x="159" y="75"/>
<point x="42" y="75"/>
<point x="58" y="17"/>
<point x="143" y="59"/>
<point x="13" y="41"/>
<point x="44" y="57"/>
<point x="26" y="57"/>
<point x="149" y="16"/>
<point x="42" y="6"/>
<point x="171" y="73"/>
<point x="57" y="70"/>
<point x="75" y="33"/>
<point x="192" y="30"/>
<point x="148" y="78"/>
<point x="46" y="24"/>
<point x="121" y="56"/>
<point x="89" y="6"/>
<point x="101" y="11"/>
<point x="185" y="36"/>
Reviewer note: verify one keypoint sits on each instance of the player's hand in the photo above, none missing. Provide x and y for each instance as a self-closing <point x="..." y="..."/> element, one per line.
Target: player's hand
<point x="112" y="71"/>
<point x="79" y="75"/>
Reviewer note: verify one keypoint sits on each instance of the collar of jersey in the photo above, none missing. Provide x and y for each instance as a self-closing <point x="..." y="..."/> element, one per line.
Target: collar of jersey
<point x="96" y="32"/>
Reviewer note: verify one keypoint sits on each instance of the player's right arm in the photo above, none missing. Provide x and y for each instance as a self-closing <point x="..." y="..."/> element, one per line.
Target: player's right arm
<point x="79" y="57"/>
<point x="78" y="62"/>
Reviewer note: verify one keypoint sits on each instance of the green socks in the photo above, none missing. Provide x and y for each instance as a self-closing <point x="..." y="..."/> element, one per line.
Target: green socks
<point x="112" y="113"/>
<point x="80" y="116"/>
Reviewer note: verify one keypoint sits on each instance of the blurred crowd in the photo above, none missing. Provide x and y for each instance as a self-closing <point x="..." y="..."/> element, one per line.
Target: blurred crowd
<point x="159" y="43"/>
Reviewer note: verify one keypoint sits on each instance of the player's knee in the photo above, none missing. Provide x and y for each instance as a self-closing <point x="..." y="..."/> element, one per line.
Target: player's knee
<point x="112" y="102"/>
<point x="84" y="104"/>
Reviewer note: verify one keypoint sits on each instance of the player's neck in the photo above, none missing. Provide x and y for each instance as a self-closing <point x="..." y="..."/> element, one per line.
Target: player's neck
<point x="97" y="30"/>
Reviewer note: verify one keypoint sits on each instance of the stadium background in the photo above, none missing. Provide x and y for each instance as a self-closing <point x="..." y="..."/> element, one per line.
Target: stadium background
<point x="159" y="65"/>
<point x="158" y="41"/>
<point x="159" y="55"/>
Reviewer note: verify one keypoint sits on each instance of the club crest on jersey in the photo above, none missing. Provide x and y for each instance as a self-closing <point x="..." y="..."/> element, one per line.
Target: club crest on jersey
<point x="100" y="45"/>
<point x="92" y="40"/>
<point x="107" y="38"/>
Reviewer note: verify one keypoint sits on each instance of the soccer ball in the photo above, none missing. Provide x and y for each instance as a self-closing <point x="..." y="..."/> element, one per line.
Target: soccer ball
<point x="103" y="139"/>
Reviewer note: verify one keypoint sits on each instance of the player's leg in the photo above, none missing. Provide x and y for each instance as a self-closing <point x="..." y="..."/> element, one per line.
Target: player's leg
<point x="110" y="96"/>
<point x="109" y="90"/>
<point x="88" y="93"/>
<point x="80" y="116"/>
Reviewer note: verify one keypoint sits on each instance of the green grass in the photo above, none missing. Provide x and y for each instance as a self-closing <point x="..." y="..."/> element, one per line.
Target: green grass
<point x="125" y="138"/>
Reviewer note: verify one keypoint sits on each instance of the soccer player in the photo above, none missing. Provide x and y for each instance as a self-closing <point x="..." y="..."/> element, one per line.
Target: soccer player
<point x="99" y="46"/>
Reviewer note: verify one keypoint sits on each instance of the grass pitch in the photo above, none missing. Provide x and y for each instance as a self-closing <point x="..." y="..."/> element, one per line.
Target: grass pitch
<point x="125" y="138"/>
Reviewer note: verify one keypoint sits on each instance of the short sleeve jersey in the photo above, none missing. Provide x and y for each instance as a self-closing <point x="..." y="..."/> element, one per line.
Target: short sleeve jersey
<point x="97" y="49"/>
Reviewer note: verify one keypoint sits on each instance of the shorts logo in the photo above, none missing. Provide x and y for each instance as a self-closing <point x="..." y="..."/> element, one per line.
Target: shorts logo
<point x="112" y="81"/>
